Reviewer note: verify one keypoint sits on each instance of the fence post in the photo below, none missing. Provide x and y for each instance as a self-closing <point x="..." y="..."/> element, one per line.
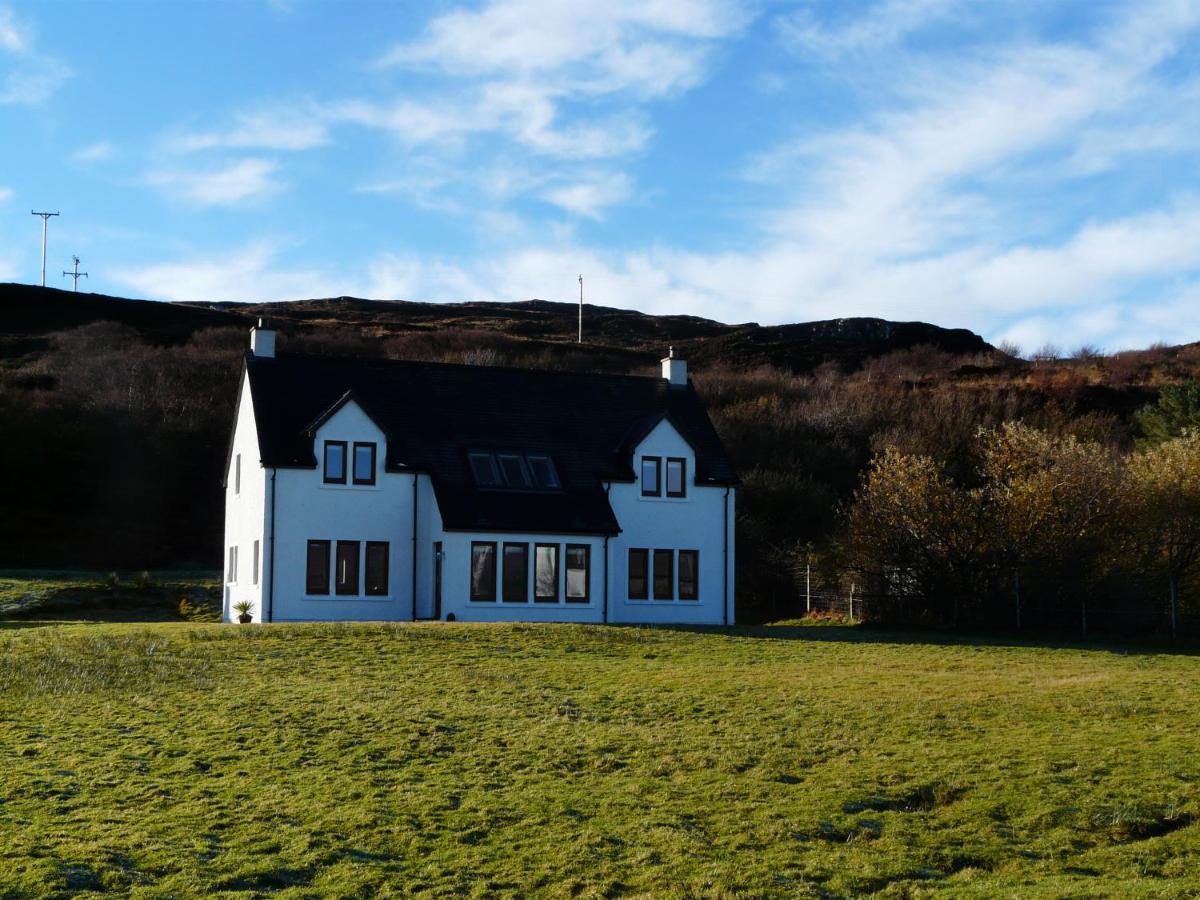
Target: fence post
<point x="852" y="602"/>
<point x="807" y="588"/>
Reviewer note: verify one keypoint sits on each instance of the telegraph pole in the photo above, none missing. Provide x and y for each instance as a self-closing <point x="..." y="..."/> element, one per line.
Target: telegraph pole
<point x="76" y="274"/>
<point x="45" y="218"/>
<point x="581" y="309"/>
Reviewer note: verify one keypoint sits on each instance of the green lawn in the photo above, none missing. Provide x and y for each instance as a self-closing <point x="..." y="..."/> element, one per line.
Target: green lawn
<point x="175" y="759"/>
<point x="79" y="594"/>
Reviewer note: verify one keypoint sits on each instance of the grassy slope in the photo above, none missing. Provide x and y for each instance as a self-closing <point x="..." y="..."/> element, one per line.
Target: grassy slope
<point x="88" y="595"/>
<point x="175" y="759"/>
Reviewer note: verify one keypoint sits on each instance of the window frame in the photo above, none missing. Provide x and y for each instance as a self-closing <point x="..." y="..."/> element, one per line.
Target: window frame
<point x="682" y="492"/>
<point x="551" y="468"/>
<point x="541" y="598"/>
<point x="387" y="552"/>
<point x="657" y="492"/>
<point x="523" y="547"/>
<point x="645" y="574"/>
<point x="587" y="573"/>
<point x="669" y="575"/>
<point x="231" y="570"/>
<point x="497" y="480"/>
<point x="479" y="598"/>
<point x="254" y="565"/>
<point x="338" y="588"/>
<point x="694" y="594"/>
<point x="237" y="474"/>
<point x="325" y="462"/>
<point x="354" y="462"/>
<point x="327" y="546"/>
<point x="522" y="466"/>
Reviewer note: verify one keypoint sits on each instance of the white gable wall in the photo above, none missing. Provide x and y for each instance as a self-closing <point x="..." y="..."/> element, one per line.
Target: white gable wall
<point x="308" y="509"/>
<point x="244" y="513"/>
<point x="695" y="522"/>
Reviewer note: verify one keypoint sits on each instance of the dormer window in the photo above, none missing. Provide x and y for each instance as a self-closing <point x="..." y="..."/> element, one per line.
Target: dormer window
<point x="335" y="462"/>
<point x="364" y="463"/>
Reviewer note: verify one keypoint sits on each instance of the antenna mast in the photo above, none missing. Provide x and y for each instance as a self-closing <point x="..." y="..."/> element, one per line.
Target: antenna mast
<point x="76" y="275"/>
<point x="45" y="218"/>
<point x="581" y="309"/>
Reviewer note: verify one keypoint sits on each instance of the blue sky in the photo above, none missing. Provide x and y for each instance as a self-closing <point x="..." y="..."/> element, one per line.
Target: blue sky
<point x="1025" y="169"/>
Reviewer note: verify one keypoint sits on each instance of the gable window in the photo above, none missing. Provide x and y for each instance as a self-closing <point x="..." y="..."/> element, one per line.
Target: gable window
<point x="541" y="469"/>
<point x="231" y="569"/>
<point x="317" y="578"/>
<point x="513" y="468"/>
<point x="545" y="573"/>
<point x="335" y="462"/>
<point x="483" y="570"/>
<point x="237" y="474"/>
<point x="377" y="569"/>
<point x="639" y="562"/>
<point x="676" y="477"/>
<point x="578" y="565"/>
<point x="364" y="463"/>
<point x="689" y="574"/>
<point x="651" y="476"/>
<point x="346" y="576"/>
<point x="254" y="568"/>
<point x="483" y="468"/>
<point x="664" y="575"/>
<point x="516" y="573"/>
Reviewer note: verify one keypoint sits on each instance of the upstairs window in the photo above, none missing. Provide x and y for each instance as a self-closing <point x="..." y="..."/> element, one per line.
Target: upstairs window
<point x="483" y="468"/>
<point x="512" y="467"/>
<point x="335" y="462"/>
<point x="364" y="463"/>
<point x="541" y="469"/>
<point x="676" y="477"/>
<point x="651" y="476"/>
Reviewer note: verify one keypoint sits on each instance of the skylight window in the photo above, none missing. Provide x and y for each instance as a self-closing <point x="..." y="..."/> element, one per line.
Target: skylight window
<point x="541" y="468"/>
<point x="516" y="475"/>
<point x="483" y="467"/>
<point x="516" y="471"/>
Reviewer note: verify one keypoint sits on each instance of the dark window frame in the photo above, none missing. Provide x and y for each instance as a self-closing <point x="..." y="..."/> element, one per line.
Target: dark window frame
<point x="325" y="462"/>
<point x="354" y="462"/>
<point x="669" y="575"/>
<point x="694" y="594"/>
<point x="682" y="492"/>
<point x="587" y="573"/>
<point x="541" y="598"/>
<point x="327" y="546"/>
<point x="387" y="552"/>
<point x="497" y="479"/>
<point x="523" y="547"/>
<point x="522" y="467"/>
<point x="644" y="594"/>
<point x="551" y="469"/>
<point x="338" y="588"/>
<point x="657" y="460"/>
<point x="480" y="598"/>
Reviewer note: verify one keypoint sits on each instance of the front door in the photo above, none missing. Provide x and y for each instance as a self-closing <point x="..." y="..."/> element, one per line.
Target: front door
<point x="437" y="579"/>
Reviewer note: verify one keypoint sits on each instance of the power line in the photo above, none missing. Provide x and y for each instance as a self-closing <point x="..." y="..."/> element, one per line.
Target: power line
<point x="76" y="274"/>
<point x="45" y="219"/>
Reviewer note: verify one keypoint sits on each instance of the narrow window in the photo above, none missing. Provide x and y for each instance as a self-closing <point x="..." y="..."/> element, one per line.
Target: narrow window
<point x="676" y="477"/>
<point x="364" y="463"/>
<point x="513" y="468"/>
<point x="254" y="570"/>
<point x="516" y="573"/>
<point x="578" y="559"/>
<point x="346" y="578"/>
<point x="483" y="468"/>
<point x="237" y="474"/>
<point x="689" y="574"/>
<point x="651" y="476"/>
<point x="639" y="561"/>
<point x="545" y="573"/>
<point x="483" y="570"/>
<point x="231" y="569"/>
<point x="664" y="577"/>
<point x="317" y="579"/>
<point x="377" y="568"/>
<point x="335" y="462"/>
<point x="542" y="471"/>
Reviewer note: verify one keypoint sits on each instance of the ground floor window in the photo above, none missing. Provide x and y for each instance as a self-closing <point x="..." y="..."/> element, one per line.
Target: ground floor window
<point x="516" y="573"/>
<point x="660" y="571"/>
<point x="664" y="574"/>
<point x="689" y="574"/>
<point x="639" y="561"/>
<point x="377" y="568"/>
<point x="545" y="573"/>
<point x="231" y="569"/>
<point x="254" y="566"/>
<point x="483" y="570"/>
<point x="346" y="575"/>
<point x="578" y="572"/>
<point x="317" y="579"/>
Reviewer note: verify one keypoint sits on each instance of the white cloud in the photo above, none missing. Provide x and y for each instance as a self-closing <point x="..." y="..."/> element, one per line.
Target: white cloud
<point x="590" y="197"/>
<point x="886" y="24"/>
<point x="225" y="186"/>
<point x="15" y="36"/>
<point x="100" y="151"/>
<point x="5" y="194"/>
<point x="298" y="129"/>
<point x="33" y="77"/>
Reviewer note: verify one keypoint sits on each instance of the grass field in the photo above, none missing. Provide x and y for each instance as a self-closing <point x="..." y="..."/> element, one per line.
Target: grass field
<point x="176" y="759"/>
<point x="75" y="594"/>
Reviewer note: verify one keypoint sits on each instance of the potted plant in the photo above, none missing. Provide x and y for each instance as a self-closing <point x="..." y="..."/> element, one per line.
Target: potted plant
<point x="243" y="609"/>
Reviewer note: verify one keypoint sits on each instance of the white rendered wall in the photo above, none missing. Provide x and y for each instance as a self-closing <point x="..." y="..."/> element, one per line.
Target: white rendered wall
<point x="308" y="509"/>
<point x="244" y="513"/>
<point x="694" y="522"/>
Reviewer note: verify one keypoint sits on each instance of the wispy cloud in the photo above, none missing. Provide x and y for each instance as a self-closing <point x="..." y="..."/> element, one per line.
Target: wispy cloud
<point x="295" y="129"/>
<point x="5" y="194"/>
<point x="32" y="76"/>
<point x="227" y="185"/>
<point x="884" y="25"/>
<point x="591" y="196"/>
<point x="100" y="151"/>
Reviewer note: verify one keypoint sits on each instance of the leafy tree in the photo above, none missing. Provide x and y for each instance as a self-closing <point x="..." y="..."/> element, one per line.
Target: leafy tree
<point x="1177" y="410"/>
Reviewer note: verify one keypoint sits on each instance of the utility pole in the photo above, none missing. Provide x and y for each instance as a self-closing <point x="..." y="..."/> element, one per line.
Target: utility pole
<point x="581" y="309"/>
<point x="45" y="218"/>
<point x="76" y="274"/>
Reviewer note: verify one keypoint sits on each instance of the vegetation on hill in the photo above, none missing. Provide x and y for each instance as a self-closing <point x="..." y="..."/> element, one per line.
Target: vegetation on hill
<point x="184" y="760"/>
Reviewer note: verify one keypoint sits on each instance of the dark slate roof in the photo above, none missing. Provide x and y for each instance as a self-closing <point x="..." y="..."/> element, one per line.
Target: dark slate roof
<point x="433" y="413"/>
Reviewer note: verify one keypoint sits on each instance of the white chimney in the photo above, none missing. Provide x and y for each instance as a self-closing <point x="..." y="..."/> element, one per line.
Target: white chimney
<point x="262" y="341"/>
<point x="674" y="370"/>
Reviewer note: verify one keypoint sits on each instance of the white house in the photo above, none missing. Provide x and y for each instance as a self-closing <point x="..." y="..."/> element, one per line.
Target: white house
<point x="392" y="490"/>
